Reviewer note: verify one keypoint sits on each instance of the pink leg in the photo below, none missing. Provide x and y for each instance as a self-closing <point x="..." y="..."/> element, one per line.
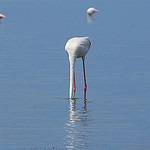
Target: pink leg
<point x="85" y="86"/>
<point x="74" y="89"/>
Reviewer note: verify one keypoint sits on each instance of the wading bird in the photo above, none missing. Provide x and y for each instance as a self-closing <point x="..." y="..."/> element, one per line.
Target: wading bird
<point x="77" y="47"/>
<point x="91" y="11"/>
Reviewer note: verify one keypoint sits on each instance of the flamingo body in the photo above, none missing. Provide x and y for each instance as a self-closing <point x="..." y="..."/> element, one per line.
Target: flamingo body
<point x="2" y="16"/>
<point x="77" y="48"/>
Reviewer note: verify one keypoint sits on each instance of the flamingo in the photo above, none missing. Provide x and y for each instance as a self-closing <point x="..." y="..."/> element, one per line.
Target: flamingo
<point x="91" y="11"/>
<point x="2" y="16"/>
<point x="77" y="47"/>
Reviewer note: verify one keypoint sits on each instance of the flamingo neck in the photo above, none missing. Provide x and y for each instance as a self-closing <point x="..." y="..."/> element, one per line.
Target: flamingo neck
<point x="72" y="73"/>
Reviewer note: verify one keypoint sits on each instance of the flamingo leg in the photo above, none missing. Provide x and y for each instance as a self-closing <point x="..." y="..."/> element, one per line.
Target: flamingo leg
<point x="74" y="88"/>
<point x="85" y="85"/>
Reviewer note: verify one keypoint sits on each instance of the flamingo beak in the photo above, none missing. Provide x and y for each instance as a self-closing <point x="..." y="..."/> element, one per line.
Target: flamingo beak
<point x="96" y="10"/>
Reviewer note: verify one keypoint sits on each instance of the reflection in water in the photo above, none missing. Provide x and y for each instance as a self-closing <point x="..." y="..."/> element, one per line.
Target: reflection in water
<point x="90" y="19"/>
<point x="1" y="23"/>
<point x="77" y="134"/>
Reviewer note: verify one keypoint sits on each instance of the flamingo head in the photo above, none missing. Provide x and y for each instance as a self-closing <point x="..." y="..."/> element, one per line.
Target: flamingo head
<point x="2" y="16"/>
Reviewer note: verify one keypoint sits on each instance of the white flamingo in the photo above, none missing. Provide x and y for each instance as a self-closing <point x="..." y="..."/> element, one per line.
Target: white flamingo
<point x="2" y="16"/>
<point x="91" y="11"/>
<point x="77" y="47"/>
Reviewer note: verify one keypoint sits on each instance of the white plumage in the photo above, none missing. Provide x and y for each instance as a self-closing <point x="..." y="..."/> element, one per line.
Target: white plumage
<point x="77" y="48"/>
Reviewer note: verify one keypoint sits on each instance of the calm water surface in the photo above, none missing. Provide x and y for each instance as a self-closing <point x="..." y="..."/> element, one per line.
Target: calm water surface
<point x="35" y="112"/>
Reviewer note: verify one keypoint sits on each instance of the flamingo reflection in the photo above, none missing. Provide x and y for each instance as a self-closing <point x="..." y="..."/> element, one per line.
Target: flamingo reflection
<point x="77" y="127"/>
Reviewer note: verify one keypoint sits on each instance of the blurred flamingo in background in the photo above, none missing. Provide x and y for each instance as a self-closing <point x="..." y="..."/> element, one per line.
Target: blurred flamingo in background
<point x="77" y="48"/>
<point x="90" y="12"/>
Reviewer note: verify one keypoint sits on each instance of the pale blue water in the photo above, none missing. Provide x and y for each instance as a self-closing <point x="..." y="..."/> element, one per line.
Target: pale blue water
<point x="35" y="113"/>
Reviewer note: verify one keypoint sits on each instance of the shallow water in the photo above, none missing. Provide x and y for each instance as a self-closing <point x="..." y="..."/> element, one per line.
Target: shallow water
<point x="35" y="112"/>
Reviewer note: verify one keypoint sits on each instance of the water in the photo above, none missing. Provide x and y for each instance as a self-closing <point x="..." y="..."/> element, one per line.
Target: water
<point x="35" y="112"/>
